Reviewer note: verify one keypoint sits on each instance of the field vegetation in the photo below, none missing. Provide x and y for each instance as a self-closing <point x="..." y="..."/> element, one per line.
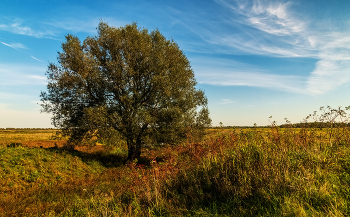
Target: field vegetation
<point x="13" y="135"/>
<point x="232" y="172"/>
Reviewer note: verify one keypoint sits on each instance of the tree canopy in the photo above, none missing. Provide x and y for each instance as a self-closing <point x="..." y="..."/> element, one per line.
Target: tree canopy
<point x="124" y="81"/>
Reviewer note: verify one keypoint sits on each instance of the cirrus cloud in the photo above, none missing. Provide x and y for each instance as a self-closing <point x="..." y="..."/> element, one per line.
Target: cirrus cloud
<point x="14" y="45"/>
<point x="276" y="29"/>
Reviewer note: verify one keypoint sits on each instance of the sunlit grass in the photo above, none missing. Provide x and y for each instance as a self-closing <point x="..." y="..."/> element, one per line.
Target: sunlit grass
<point x="233" y="172"/>
<point x="20" y="136"/>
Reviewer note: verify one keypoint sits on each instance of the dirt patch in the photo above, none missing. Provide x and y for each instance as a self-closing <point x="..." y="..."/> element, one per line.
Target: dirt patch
<point x="91" y="149"/>
<point x="44" y="144"/>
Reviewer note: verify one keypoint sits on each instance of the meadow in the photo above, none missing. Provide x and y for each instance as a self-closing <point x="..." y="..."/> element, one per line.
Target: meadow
<point x="12" y="135"/>
<point x="232" y="172"/>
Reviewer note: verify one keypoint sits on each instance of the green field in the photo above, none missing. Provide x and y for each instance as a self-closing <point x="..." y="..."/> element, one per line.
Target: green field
<point x="232" y="172"/>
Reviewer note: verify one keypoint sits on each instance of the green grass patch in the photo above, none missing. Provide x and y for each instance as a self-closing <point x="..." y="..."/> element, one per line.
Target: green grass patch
<point x="22" y="167"/>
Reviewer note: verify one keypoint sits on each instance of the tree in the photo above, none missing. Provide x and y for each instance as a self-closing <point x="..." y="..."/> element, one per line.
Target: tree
<point x="124" y="81"/>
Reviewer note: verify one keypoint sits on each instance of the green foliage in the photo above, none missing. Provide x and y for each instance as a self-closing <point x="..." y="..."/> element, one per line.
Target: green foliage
<point x="124" y="81"/>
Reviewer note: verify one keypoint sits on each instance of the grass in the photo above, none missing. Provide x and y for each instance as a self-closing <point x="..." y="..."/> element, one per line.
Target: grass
<point x="24" y="135"/>
<point x="262" y="178"/>
<point x="232" y="172"/>
<point x="22" y="167"/>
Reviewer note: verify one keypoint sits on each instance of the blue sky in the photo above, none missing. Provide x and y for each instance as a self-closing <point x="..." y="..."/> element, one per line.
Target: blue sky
<point x="253" y="59"/>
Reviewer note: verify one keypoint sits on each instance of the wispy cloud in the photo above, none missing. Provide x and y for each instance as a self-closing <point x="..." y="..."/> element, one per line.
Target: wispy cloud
<point x="333" y="69"/>
<point x="226" y="101"/>
<point x="215" y="71"/>
<point x="14" y="45"/>
<point x="12" y="74"/>
<point x="273" y="18"/>
<point x="86" y="25"/>
<point x="37" y="77"/>
<point x="49" y="29"/>
<point x="37" y="59"/>
<point x="269" y="28"/>
<point x="16" y="26"/>
<point x="287" y="83"/>
<point x="331" y="48"/>
<point x="276" y="29"/>
<point x="75" y="25"/>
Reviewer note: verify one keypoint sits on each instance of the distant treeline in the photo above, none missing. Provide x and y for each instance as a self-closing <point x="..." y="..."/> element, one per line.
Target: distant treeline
<point x="315" y="125"/>
<point x="297" y="125"/>
<point x="11" y="128"/>
<point x="240" y="127"/>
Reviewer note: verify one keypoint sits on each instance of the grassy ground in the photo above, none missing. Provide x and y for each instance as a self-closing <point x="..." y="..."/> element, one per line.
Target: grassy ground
<point x="25" y="135"/>
<point x="233" y="172"/>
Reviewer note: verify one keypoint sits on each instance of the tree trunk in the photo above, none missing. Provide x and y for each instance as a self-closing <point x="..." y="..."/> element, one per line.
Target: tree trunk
<point x="134" y="151"/>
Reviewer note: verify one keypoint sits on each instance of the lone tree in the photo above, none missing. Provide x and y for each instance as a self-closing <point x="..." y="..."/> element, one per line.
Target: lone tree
<point x="124" y="81"/>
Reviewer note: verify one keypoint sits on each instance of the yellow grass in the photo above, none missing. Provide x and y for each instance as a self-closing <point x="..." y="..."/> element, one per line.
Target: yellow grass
<point x="19" y="136"/>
